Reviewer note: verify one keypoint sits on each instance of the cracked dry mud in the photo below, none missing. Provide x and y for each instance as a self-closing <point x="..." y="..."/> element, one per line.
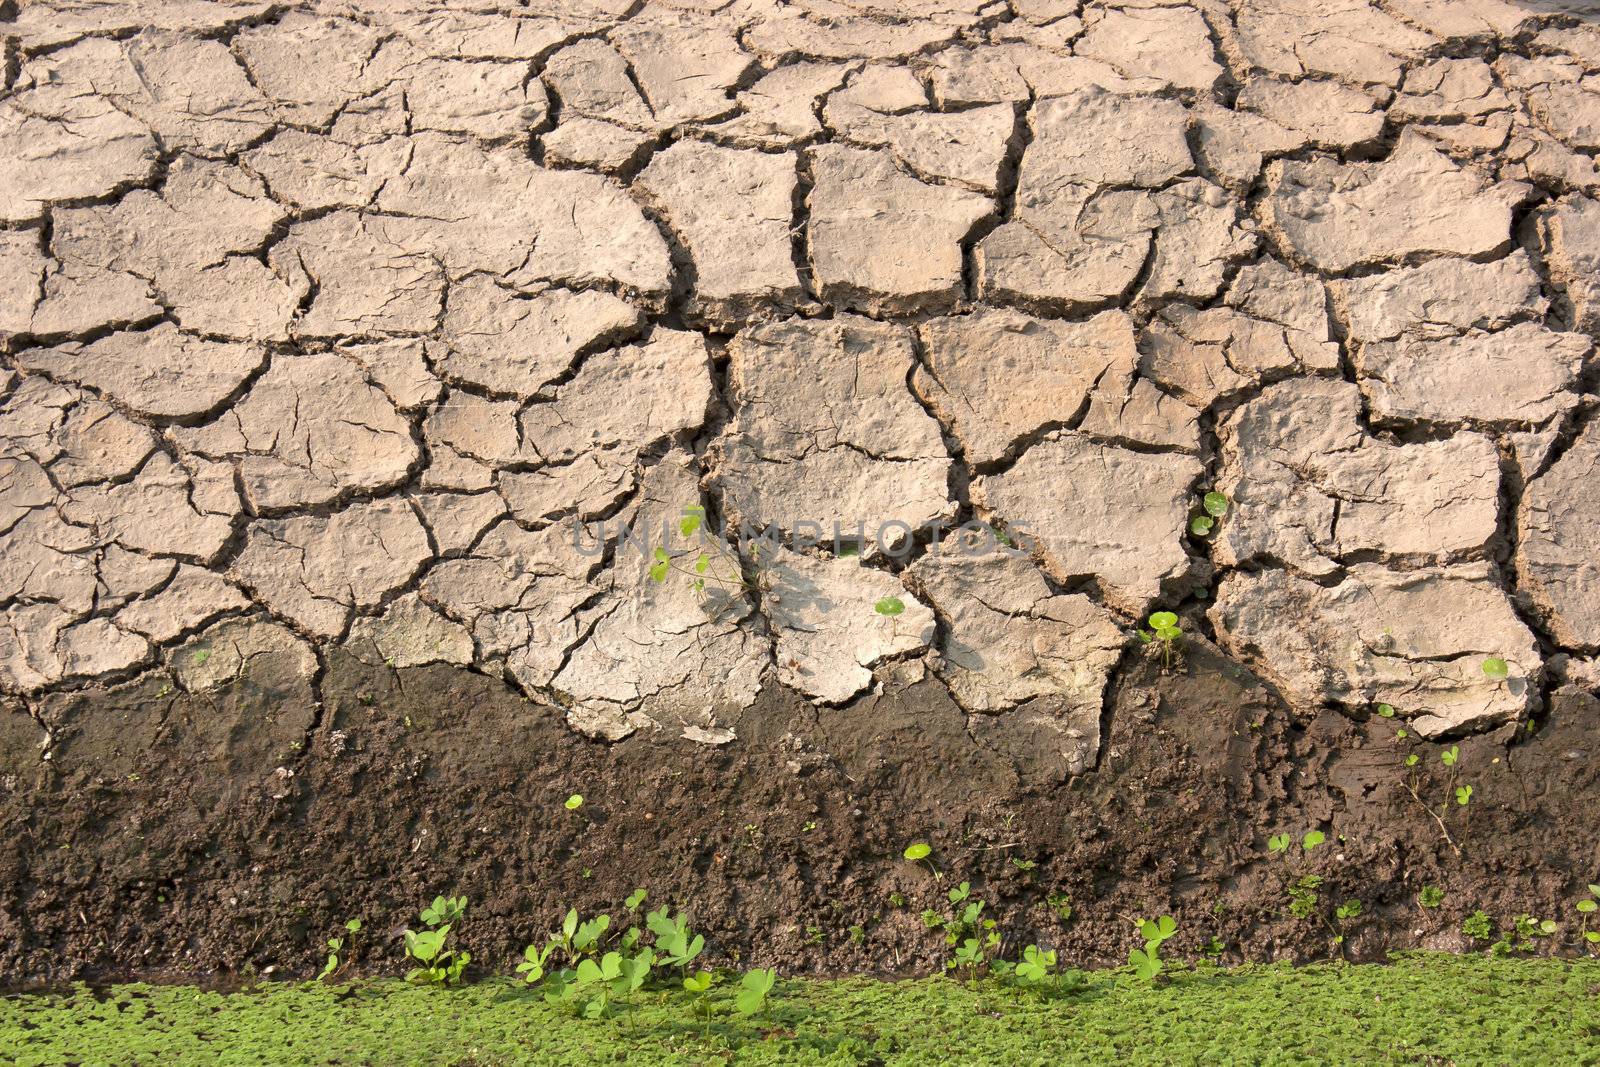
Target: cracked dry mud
<point x="327" y="325"/>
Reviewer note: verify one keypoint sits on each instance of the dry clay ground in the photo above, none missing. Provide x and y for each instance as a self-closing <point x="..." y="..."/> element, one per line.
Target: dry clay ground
<point x="325" y="325"/>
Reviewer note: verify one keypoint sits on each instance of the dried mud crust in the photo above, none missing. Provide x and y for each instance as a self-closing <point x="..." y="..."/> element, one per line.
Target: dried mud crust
<point x="167" y="835"/>
<point x="323" y="326"/>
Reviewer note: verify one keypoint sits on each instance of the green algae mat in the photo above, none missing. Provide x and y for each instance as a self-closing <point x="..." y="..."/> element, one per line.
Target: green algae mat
<point x="1418" y="1009"/>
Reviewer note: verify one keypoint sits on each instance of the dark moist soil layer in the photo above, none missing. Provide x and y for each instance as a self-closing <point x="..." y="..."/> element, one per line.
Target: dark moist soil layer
<point x="171" y="835"/>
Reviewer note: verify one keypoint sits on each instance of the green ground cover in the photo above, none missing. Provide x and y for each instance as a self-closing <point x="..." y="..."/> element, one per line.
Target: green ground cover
<point x="1429" y="1009"/>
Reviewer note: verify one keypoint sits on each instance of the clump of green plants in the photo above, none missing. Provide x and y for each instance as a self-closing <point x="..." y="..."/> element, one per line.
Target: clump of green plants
<point x="1035" y="972"/>
<point x="1147" y="962"/>
<point x="1478" y="926"/>
<point x="973" y="939"/>
<point x="1213" y="506"/>
<point x="597" y="984"/>
<point x="601" y="969"/>
<point x="1522" y="935"/>
<point x="594" y="979"/>
<point x="677" y="945"/>
<point x="437" y="963"/>
<point x="1061" y="904"/>
<point x="581" y="937"/>
<point x="1164" y="630"/>
<point x="337" y="945"/>
<point x="1303" y="887"/>
<point x="713" y="563"/>
<point x="1430" y="896"/>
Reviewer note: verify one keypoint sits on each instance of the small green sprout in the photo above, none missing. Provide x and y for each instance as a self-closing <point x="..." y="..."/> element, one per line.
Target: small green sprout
<point x="1350" y="909"/>
<point x="1386" y="711"/>
<point x="1415" y="780"/>
<point x="889" y="606"/>
<point x="438" y="965"/>
<point x="634" y="899"/>
<point x="1213" y="506"/>
<point x="1496" y="668"/>
<point x="1164" y="627"/>
<point x="1278" y="843"/>
<point x="1035" y="966"/>
<point x="1303" y="896"/>
<point x="574" y="802"/>
<point x="1478" y="926"/>
<point x="533" y="960"/>
<point x="335" y="944"/>
<point x="919" y="850"/>
<point x="1431" y="896"/>
<point x="698" y="985"/>
<point x="753" y="990"/>
<point x="677" y="945"/>
<point x="1147" y="963"/>
<point x="1587" y="907"/>
<point x="1312" y="839"/>
<point x="581" y="937"/>
<point x="1158" y="930"/>
<point x="659" y="568"/>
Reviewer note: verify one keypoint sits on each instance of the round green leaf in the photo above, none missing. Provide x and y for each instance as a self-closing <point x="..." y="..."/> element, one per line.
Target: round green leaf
<point x="918" y="851"/>
<point x="1201" y="525"/>
<point x="890" y="606"/>
<point x="1163" y="620"/>
<point x="1216" y="504"/>
<point x="574" y="802"/>
<point x="1587" y="906"/>
<point x="1386" y="711"/>
<point x="1496" y="668"/>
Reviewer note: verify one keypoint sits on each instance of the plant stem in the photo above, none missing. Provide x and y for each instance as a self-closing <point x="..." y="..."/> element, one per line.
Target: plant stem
<point x="1412" y="789"/>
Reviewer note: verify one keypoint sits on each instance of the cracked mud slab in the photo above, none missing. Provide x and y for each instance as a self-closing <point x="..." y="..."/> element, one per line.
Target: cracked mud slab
<point x="335" y="336"/>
